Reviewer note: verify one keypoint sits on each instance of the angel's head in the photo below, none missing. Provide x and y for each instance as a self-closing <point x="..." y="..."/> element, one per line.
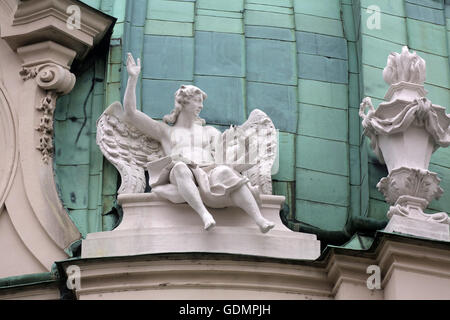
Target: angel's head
<point x="189" y="99"/>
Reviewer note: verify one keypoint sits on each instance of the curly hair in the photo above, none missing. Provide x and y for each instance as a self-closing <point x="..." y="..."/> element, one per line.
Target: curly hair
<point x="183" y="94"/>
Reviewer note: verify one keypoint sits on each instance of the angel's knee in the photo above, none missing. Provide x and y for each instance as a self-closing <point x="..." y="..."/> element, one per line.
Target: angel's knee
<point x="223" y="172"/>
<point x="181" y="171"/>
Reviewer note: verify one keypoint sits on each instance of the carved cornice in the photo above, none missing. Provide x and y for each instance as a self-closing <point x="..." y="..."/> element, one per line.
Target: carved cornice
<point x="416" y="258"/>
<point x="346" y="269"/>
<point x="40" y="53"/>
<point x="40" y="20"/>
<point x="196" y="274"/>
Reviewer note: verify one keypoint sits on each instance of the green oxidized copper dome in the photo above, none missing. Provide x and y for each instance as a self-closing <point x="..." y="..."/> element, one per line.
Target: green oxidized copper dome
<point x="305" y="63"/>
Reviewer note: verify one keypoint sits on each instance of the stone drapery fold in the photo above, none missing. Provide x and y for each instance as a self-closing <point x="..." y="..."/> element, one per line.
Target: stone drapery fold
<point x="420" y="112"/>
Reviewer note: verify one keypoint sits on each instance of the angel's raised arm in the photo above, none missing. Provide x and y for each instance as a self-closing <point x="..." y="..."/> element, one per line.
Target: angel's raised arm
<point x="155" y="129"/>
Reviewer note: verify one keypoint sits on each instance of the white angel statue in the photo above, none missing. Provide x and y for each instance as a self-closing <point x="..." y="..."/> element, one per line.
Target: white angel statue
<point x="181" y="154"/>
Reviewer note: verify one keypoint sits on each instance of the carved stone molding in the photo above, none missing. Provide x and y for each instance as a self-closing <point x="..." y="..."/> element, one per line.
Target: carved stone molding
<point x="46" y="52"/>
<point x="55" y="80"/>
<point x="8" y="145"/>
<point x="38" y="50"/>
<point x="45" y="76"/>
<point x="45" y="128"/>
<point x="47" y="64"/>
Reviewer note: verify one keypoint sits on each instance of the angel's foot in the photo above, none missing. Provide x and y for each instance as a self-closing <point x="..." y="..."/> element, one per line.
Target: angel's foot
<point x="209" y="222"/>
<point x="265" y="225"/>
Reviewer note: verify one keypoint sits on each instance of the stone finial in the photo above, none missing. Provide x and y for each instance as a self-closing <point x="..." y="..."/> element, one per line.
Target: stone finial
<point x="404" y="132"/>
<point x="404" y="67"/>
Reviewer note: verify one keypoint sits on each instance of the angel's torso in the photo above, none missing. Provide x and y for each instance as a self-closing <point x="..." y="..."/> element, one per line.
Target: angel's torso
<point x="194" y="145"/>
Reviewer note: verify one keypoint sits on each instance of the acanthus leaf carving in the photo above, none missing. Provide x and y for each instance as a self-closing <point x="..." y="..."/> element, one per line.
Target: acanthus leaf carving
<point x="412" y="182"/>
<point x="28" y="73"/>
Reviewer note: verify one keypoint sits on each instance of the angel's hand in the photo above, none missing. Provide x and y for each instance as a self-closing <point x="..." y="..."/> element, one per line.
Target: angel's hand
<point x="133" y="68"/>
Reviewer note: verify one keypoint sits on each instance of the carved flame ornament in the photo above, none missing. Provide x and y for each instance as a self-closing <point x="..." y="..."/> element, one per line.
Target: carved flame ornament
<point x="404" y="67"/>
<point x="404" y="132"/>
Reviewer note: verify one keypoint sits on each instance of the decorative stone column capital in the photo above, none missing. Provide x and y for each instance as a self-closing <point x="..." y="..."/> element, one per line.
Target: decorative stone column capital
<point x="50" y="77"/>
<point x="48" y="63"/>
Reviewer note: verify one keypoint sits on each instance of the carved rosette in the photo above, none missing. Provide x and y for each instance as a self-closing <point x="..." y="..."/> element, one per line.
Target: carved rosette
<point x="54" y="80"/>
<point x="28" y="73"/>
<point x="411" y="182"/>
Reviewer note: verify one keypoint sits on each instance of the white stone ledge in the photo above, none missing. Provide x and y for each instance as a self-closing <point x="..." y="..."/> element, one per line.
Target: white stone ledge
<point x="154" y="225"/>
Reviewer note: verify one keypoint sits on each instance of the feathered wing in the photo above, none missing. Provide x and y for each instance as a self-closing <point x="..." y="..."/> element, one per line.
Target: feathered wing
<point x="128" y="149"/>
<point x="260" y="145"/>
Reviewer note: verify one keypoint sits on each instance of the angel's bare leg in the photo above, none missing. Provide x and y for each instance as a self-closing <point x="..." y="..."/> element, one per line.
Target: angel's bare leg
<point x="243" y="198"/>
<point x="188" y="190"/>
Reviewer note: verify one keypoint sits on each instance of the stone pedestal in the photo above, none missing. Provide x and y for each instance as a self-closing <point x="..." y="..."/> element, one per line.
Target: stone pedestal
<point x="410" y="190"/>
<point x="153" y="225"/>
<point x="420" y="228"/>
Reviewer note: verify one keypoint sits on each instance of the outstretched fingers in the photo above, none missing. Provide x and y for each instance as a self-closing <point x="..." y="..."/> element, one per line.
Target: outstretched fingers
<point x="130" y="60"/>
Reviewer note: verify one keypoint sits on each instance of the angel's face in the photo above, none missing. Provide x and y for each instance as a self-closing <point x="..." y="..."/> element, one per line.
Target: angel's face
<point x="194" y="104"/>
